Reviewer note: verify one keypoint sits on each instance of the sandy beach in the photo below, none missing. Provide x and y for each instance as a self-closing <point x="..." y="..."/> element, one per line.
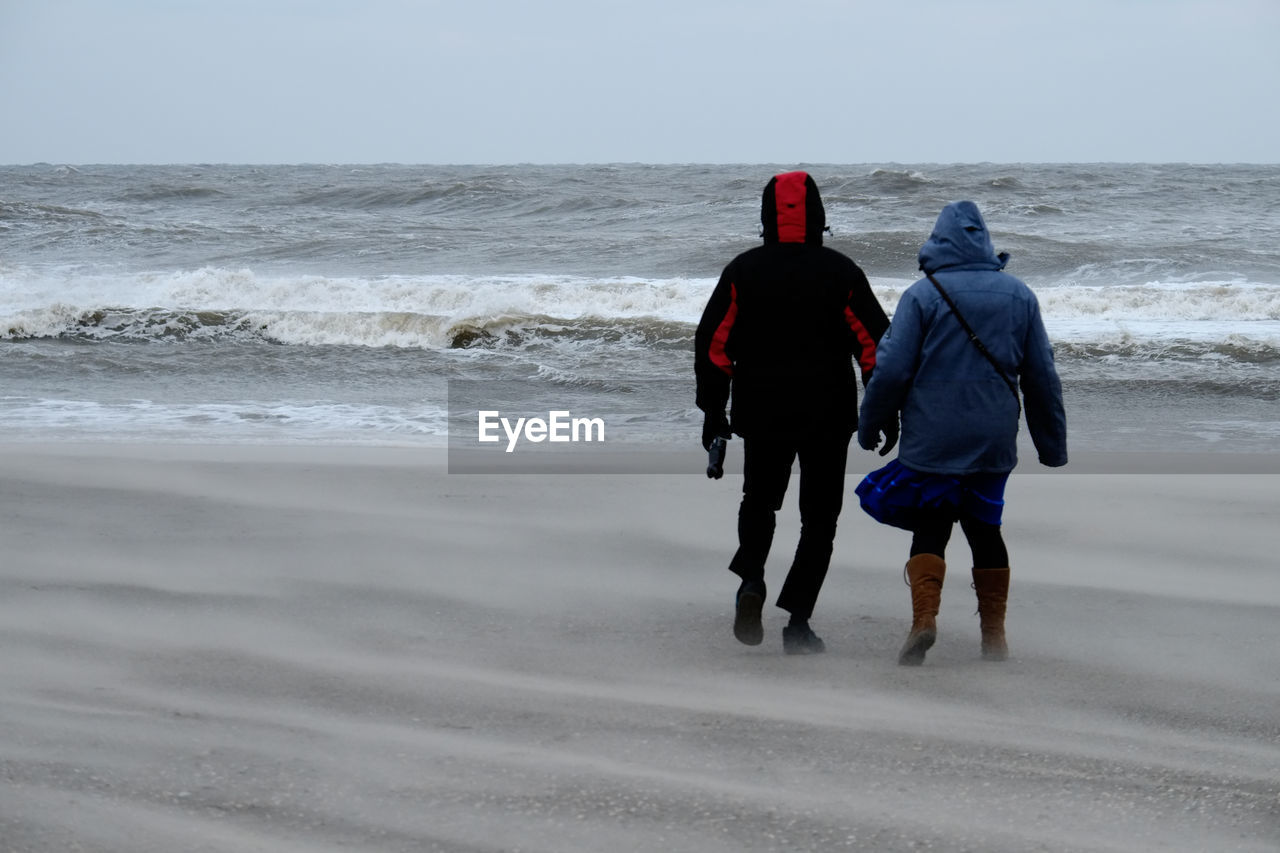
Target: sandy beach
<point x="340" y="648"/>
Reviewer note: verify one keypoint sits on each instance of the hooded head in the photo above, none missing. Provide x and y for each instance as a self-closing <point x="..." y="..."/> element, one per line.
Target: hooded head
<point x="960" y="240"/>
<point x="792" y="210"/>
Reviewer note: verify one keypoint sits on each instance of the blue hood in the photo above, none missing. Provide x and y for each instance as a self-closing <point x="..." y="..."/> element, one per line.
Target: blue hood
<point x="960" y="241"/>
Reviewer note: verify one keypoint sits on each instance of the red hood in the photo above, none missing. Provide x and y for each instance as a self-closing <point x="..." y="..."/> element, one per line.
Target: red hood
<point x="791" y="211"/>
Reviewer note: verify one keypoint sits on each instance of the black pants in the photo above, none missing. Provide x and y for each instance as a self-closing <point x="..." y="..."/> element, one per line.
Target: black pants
<point x="766" y="471"/>
<point x="931" y="534"/>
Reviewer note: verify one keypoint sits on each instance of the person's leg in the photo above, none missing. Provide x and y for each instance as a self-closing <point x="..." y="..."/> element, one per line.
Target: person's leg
<point x="986" y="543"/>
<point x="822" y="464"/>
<point x="925" y="572"/>
<point x="766" y="469"/>
<point x="991" y="583"/>
<point x="931" y="534"/>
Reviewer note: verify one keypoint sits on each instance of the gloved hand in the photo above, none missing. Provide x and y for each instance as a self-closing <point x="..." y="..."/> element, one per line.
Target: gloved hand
<point x="869" y="439"/>
<point x="890" y="437"/>
<point x="714" y="424"/>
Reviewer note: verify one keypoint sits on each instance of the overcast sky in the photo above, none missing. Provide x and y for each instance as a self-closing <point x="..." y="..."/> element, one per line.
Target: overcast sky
<point x="588" y="81"/>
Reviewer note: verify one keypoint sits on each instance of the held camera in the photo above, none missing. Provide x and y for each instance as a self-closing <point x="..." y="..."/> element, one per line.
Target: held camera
<point x="715" y="458"/>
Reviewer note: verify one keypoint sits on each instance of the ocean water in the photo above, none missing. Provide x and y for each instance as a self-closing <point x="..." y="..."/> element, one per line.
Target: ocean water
<point x="341" y="304"/>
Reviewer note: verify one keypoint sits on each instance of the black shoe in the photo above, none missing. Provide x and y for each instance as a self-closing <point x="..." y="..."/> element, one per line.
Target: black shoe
<point x="746" y="617"/>
<point x="800" y="640"/>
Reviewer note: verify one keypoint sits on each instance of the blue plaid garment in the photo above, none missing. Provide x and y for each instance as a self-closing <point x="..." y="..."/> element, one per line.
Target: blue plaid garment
<point x="895" y="495"/>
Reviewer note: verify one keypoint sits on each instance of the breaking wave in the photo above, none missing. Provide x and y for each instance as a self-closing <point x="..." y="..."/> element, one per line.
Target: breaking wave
<point x="1231" y="320"/>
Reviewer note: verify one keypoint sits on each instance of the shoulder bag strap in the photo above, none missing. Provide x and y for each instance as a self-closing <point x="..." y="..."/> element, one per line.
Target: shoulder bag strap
<point x="977" y="342"/>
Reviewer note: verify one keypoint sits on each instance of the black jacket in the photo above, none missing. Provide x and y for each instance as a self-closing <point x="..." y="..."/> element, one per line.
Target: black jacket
<point x="786" y="323"/>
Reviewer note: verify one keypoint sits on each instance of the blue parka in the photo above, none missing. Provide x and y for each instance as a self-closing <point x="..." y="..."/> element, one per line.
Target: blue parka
<point x="958" y="416"/>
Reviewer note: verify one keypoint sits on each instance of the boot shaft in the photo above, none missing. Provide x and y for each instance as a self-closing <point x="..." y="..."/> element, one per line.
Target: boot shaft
<point x="925" y="574"/>
<point x="992" y="587"/>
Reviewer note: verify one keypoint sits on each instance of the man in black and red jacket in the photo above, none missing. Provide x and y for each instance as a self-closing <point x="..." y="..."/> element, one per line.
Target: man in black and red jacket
<point x="783" y="330"/>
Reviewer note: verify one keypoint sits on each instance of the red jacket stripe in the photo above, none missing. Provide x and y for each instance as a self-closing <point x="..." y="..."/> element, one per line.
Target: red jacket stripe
<point x="867" y="357"/>
<point x="719" y="341"/>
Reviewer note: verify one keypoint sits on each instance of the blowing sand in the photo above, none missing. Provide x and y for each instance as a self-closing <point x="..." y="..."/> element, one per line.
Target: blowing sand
<point x="314" y="649"/>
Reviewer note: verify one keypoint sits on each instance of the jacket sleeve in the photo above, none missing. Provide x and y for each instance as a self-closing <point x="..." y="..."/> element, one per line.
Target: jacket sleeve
<point x="867" y="322"/>
<point x="897" y="356"/>
<point x="1042" y="393"/>
<point x="713" y="360"/>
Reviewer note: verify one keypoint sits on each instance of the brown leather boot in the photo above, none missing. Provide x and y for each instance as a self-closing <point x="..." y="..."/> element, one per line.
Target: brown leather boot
<point x="924" y="574"/>
<point x="992" y="586"/>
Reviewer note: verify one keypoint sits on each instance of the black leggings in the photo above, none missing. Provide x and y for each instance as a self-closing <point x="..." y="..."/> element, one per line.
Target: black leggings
<point x="934" y="530"/>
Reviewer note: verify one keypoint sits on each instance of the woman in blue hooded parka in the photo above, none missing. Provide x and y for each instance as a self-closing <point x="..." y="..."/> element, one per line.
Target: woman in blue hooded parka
<point x="962" y="344"/>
